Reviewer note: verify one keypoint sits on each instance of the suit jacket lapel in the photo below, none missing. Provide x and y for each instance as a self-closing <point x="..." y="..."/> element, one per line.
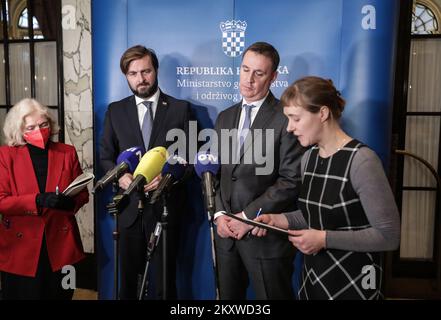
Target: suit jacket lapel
<point x="55" y="167"/>
<point x="133" y="119"/>
<point x="237" y="111"/>
<point x="265" y="113"/>
<point x="161" y="111"/>
<point x="22" y="163"/>
<point x="232" y="123"/>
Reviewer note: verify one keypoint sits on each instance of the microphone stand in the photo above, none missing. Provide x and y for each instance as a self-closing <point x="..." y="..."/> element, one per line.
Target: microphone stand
<point x="119" y="201"/>
<point x="208" y="191"/>
<point x="160" y="229"/>
<point x="141" y="200"/>
<point x="210" y="214"/>
<point x="114" y="211"/>
<point x="164" y="224"/>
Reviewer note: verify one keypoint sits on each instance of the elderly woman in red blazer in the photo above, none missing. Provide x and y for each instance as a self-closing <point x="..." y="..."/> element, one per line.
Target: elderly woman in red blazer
<point x="38" y="230"/>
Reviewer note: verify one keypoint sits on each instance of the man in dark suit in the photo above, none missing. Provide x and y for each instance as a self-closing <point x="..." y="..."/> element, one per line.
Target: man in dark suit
<point x="245" y="191"/>
<point x="144" y="119"/>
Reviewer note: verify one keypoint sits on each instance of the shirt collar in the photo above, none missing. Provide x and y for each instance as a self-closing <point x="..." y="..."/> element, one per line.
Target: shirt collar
<point x="154" y="98"/>
<point x="256" y="104"/>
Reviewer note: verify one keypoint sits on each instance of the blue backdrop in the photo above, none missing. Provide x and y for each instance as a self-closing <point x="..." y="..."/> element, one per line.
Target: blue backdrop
<point x="351" y="42"/>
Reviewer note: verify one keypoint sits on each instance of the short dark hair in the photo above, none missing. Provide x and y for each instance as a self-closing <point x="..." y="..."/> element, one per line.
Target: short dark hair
<point x="267" y="50"/>
<point x="312" y="93"/>
<point x="135" y="53"/>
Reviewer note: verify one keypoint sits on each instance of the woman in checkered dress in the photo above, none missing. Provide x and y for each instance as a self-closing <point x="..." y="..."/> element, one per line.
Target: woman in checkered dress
<point x="347" y="213"/>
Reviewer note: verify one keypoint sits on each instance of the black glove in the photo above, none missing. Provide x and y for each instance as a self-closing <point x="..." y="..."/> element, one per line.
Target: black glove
<point x="55" y="201"/>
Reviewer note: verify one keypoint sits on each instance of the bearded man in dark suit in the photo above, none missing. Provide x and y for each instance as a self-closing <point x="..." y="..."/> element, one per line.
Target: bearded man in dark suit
<point x="143" y="119"/>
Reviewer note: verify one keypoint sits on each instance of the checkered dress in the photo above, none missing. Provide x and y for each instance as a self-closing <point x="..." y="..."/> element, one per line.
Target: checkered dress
<point x="329" y="202"/>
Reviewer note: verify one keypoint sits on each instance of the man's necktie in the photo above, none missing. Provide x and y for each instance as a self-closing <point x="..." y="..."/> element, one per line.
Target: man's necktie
<point x="147" y="124"/>
<point x="246" y="125"/>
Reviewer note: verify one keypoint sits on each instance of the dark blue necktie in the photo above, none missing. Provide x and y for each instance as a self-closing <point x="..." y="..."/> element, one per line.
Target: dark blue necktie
<point x="147" y="124"/>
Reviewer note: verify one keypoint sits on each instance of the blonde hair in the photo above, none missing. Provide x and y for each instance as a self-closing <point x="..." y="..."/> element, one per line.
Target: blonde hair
<point x="14" y="121"/>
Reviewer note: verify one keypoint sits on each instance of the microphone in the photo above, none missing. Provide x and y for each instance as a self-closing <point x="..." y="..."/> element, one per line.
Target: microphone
<point x="207" y="165"/>
<point x="173" y="171"/>
<point x="148" y="168"/>
<point x="126" y="162"/>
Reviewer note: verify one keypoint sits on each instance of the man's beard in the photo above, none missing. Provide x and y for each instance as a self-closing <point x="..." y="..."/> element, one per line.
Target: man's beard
<point x="149" y="91"/>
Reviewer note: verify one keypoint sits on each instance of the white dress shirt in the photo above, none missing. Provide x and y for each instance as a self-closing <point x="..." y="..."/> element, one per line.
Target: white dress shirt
<point x="142" y="109"/>
<point x="257" y="104"/>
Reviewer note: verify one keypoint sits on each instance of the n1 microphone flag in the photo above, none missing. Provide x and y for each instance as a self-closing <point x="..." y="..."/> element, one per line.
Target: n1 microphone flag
<point x="127" y="161"/>
<point x="131" y="157"/>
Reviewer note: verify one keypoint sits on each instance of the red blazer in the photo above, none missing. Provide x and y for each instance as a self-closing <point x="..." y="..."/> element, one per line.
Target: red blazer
<point x="21" y="228"/>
